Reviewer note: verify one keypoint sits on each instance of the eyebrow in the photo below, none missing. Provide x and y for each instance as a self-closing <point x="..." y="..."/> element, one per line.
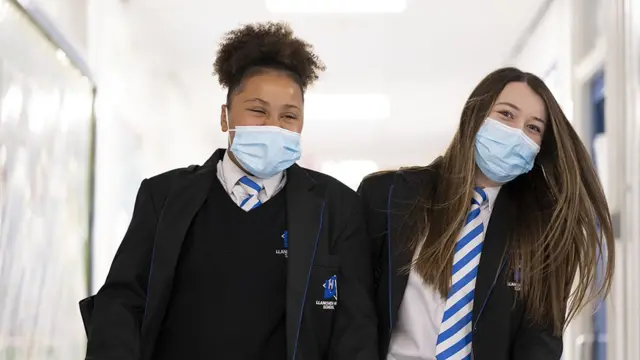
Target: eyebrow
<point x="266" y="103"/>
<point x="263" y="102"/>
<point x="518" y="109"/>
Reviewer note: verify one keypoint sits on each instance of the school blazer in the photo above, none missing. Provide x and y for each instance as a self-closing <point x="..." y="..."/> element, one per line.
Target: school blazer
<point x="501" y="332"/>
<point x="327" y="236"/>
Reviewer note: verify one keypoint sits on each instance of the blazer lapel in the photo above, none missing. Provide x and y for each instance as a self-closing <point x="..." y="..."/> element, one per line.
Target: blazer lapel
<point x="494" y="251"/>
<point x="182" y="204"/>
<point x="304" y="221"/>
<point x="408" y="187"/>
<point x="401" y="200"/>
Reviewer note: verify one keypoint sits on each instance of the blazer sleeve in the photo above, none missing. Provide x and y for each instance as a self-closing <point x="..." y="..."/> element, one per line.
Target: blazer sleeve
<point x="355" y="335"/>
<point x="114" y="329"/>
<point x="535" y="342"/>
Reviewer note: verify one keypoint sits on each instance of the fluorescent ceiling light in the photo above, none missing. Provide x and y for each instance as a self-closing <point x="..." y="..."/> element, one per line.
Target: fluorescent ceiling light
<point x="347" y="107"/>
<point x="336" y="6"/>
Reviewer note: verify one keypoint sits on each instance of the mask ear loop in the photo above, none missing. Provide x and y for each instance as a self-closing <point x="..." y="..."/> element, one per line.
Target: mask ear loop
<point x="229" y="129"/>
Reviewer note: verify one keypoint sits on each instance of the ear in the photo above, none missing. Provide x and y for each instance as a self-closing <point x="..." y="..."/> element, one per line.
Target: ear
<point x="224" y="122"/>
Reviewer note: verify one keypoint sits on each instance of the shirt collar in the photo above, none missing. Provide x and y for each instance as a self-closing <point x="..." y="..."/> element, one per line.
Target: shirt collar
<point x="492" y="195"/>
<point x="232" y="174"/>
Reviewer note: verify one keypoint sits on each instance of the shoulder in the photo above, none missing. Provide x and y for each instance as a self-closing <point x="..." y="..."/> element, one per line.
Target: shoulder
<point x="381" y="183"/>
<point x="331" y="185"/>
<point x="161" y="183"/>
<point x="341" y="202"/>
<point x="379" y="180"/>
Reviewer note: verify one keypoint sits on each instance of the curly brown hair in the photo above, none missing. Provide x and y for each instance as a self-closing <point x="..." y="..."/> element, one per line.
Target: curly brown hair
<point x="259" y="47"/>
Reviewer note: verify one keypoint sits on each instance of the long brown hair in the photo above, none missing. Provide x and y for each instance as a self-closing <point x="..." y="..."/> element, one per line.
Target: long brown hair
<point x="563" y="223"/>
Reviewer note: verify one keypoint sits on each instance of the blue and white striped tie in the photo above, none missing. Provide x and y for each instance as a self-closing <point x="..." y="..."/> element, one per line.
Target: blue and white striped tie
<point x="252" y="188"/>
<point x="454" y="340"/>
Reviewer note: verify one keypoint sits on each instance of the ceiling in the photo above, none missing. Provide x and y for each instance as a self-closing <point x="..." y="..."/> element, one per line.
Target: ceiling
<point x="426" y="60"/>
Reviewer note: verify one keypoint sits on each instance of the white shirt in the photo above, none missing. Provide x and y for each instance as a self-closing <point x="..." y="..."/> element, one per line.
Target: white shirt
<point x="229" y="174"/>
<point x="416" y="333"/>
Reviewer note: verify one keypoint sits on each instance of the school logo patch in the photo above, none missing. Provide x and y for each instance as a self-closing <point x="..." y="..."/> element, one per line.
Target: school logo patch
<point x="285" y="245"/>
<point x="331" y="288"/>
<point x="516" y="283"/>
<point x="330" y="291"/>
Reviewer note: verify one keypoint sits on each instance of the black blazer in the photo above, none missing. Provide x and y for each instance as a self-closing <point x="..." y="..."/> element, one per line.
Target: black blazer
<point x="327" y="236"/>
<point x="501" y="331"/>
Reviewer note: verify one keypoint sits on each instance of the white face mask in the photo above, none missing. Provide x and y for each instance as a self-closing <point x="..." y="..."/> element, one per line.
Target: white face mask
<point x="265" y="151"/>
<point x="502" y="152"/>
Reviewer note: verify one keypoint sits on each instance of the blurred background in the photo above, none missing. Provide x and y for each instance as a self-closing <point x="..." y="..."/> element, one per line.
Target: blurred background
<point x="96" y="95"/>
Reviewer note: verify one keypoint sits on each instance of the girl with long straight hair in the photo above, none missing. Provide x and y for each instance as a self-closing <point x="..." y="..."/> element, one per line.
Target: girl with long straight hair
<point x="490" y="251"/>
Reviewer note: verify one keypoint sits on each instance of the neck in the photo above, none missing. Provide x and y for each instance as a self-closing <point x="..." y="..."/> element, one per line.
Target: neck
<point x="235" y="161"/>
<point x="481" y="180"/>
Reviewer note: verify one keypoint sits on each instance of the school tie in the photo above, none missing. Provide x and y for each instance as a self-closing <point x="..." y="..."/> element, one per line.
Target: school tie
<point x="252" y="189"/>
<point x="454" y="339"/>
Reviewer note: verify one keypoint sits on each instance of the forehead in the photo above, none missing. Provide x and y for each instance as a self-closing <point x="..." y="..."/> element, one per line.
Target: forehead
<point x="522" y="96"/>
<point x="273" y="87"/>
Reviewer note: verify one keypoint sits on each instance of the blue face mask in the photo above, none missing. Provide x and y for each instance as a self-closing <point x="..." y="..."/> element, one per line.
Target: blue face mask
<point x="264" y="151"/>
<point x="502" y="152"/>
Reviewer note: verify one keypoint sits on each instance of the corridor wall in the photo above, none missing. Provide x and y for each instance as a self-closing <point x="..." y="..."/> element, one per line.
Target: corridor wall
<point x="141" y="114"/>
<point x="69" y="17"/>
<point x="46" y="145"/>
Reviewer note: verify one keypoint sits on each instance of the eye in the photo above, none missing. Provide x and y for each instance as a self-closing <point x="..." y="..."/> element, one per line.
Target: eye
<point x="258" y="111"/>
<point x="535" y="128"/>
<point x="506" y="113"/>
<point x="289" y="117"/>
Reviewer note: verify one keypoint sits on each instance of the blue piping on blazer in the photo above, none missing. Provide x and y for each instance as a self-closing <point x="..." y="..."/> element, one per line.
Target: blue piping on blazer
<point x="306" y="286"/>
<point x="146" y="298"/>
<point x="495" y="280"/>
<point x="389" y="259"/>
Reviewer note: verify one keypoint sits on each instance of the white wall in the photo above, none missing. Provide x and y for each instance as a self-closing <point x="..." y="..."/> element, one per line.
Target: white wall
<point x="547" y="52"/>
<point x="69" y="17"/>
